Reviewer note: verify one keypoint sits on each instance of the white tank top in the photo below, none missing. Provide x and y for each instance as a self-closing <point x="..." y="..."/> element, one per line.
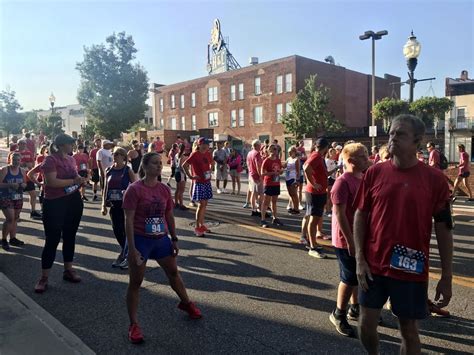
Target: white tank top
<point x="290" y="169"/>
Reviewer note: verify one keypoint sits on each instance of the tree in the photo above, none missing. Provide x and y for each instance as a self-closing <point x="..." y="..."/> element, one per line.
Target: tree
<point x="387" y="109"/>
<point x="431" y="110"/>
<point x="51" y="125"/>
<point x="10" y="119"/>
<point x="113" y="91"/>
<point x="309" y="114"/>
<point x="30" y="121"/>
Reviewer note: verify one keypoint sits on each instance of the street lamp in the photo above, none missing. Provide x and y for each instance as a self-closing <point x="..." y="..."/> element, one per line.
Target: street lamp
<point x="52" y="99"/>
<point x="375" y="36"/>
<point x="411" y="51"/>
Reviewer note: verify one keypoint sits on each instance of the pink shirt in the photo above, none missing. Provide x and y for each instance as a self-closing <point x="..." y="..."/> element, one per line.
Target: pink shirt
<point x="463" y="162"/>
<point x="150" y="205"/>
<point x="254" y="159"/>
<point x="434" y="159"/>
<point x="82" y="160"/>
<point x="65" y="168"/>
<point x="343" y="192"/>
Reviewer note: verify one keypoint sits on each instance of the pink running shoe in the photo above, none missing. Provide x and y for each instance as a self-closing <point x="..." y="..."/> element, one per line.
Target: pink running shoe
<point x="191" y="309"/>
<point x="135" y="334"/>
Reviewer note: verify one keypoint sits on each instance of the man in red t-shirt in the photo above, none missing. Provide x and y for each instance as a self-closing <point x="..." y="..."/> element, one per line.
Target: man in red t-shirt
<point x="254" y="163"/>
<point x="433" y="159"/>
<point x="392" y="233"/>
<point x="202" y="164"/>
<point x="157" y="145"/>
<point x="95" y="177"/>
<point x="316" y="193"/>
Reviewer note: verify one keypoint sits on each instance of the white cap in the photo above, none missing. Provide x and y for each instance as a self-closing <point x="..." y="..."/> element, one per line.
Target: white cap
<point x="106" y="141"/>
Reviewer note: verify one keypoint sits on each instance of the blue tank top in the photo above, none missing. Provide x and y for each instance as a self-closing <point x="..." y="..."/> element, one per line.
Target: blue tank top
<point x="7" y="193"/>
<point x="117" y="182"/>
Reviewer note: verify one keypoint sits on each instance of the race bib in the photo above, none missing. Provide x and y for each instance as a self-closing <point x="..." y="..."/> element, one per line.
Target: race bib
<point x="17" y="196"/>
<point x="154" y="226"/>
<point x="207" y="175"/>
<point x="82" y="167"/>
<point x="70" y="189"/>
<point x="408" y="260"/>
<point x="114" y="195"/>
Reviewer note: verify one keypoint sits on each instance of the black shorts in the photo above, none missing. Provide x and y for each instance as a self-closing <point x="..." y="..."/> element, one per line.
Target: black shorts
<point x="331" y="181"/>
<point x="95" y="175"/>
<point x="347" y="267"/>
<point x="178" y="176"/>
<point x="408" y="298"/>
<point x="315" y="204"/>
<point x="271" y="190"/>
<point x="173" y="171"/>
<point x="83" y="173"/>
<point x="465" y="174"/>
<point x="30" y="186"/>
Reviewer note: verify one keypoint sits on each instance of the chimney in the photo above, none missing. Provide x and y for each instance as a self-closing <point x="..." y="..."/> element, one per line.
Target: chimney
<point x="253" y="60"/>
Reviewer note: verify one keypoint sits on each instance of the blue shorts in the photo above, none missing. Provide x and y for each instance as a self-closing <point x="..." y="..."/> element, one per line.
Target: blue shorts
<point x="408" y="298"/>
<point x="290" y="182"/>
<point x="202" y="191"/>
<point x="347" y="267"/>
<point x="153" y="248"/>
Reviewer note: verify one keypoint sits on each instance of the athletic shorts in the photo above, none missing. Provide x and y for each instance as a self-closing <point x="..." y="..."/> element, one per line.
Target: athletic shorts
<point x="173" y="172"/>
<point x="83" y="173"/>
<point x="271" y="190"/>
<point x="408" y="298"/>
<point x="221" y="174"/>
<point x="347" y="267"/>
<point x="465" y="174"/>
<point x="202" y="191"/>
<point x="301" y="179"/>
<point x="11" y="204"/>
<point x="179" y="176"/>
<point x="255" y="186"/>
<point x="234" y="173"/>
<point x="290" y="182"/>
<point x="95" y="175"/>
<point x="30" y="186"/>
<point x="315" y="204"/>
<point x="152" y="248"/>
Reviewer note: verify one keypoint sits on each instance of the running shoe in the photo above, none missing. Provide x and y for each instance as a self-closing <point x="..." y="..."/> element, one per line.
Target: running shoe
<point x="301" y="207"/>
<point x="293" y="211"/>
<point x="263" y="224"/>
<point x="198" y="232"/>
<point x="71" y="276"/>
<point x="437" y="311"/>
<point x="16" y="242"/>
<point x="353" y="312"/>
<point x="276" y="222"/>
<point x="135" y="334"/>
<point x="255" y="213"/>
<point x="183" y="208"/>
<point x="5" y="245"/>
<point x="84" y="198"/>
<point x="205" y="229"/>
<point x="323" y="237"/>
<point x="342" y="325"/>
<point x="41" y="285"/>
<point x="191" y="309"/>
<point x="124" y="264"/>
<point x="36" y="215"/>
<point x="219" y="191"/>
<point x="246" y="205"/>
<point x="317" y="253"/>
<point x="118" y="261"/>
<point x="303" y="240"/>
<point x="192" y="204"/>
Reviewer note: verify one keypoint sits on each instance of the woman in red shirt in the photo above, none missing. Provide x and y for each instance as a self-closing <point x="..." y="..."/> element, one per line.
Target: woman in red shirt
<point x="82" y="164"/>
<point x="464" y="172"/>
<point x="271" y="170"/>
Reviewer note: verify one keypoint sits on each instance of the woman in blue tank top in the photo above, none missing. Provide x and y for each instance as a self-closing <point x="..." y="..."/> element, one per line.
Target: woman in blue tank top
<point x="12" y="183"/>
<point x="118" y="177"/>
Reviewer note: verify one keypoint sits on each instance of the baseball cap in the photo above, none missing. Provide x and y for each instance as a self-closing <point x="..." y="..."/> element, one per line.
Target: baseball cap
<point x="202" y="140"/>
<point x="106" y="141"/>
<point x="62" y="139"/>
<point x="322" y="142"/>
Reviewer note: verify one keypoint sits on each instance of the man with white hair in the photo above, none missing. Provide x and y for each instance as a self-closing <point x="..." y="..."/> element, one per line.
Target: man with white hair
<point x="254" y="162"/>
<point x="104" y="160"/>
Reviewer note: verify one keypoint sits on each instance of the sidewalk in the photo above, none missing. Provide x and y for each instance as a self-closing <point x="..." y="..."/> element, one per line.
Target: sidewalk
<point x="26" y="328"/>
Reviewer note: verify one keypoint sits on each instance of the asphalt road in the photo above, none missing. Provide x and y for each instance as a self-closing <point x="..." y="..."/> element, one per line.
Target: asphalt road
<point x="258" y="290"/>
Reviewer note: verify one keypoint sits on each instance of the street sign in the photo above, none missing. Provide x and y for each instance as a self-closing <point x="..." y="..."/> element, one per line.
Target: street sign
<point x="372" y="131"/>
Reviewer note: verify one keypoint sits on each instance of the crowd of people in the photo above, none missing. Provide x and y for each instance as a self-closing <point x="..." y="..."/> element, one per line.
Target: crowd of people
<point x="381" y="214"/>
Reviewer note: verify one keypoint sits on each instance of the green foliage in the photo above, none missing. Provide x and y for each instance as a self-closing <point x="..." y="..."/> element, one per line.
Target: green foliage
<point x="88" y="132"/>
<point x="51" y="125"/>
<point x="310" y="115"/>
<point x="113" y="90"/>
<point x="138" y="126"/>
<point x="30" y="121"/>
<point x="386" y="109"/>
<point x="431" y="109"/>
<point x="10" y="120"/>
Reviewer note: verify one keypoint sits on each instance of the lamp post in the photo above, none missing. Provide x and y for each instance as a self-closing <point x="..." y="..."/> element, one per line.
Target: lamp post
<point x="411" y="51"/>
<point x="375" y="36"/>
<point x="52" y="100"/>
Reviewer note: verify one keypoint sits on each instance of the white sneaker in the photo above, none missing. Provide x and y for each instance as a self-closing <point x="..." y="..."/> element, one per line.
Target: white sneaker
<point x="317" y="253"/>
<point x="302" y="207"/>
<point x="219" y="191"/>
<point x="246" y="205"/>
<point x="223" y="191"/>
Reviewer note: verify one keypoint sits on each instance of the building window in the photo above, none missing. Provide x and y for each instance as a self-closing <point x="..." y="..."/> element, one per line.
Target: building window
<point x="288" y="107"/>
<point x="181" y="101"/>
<point x="279" y="84"/>
<point x="193" y="99"/>
<point x="258" y="89"/>
<point x="162" y="122"/>
<point x="258" y="114"/>
<point x="461" y="117"/>
<point x="233" y="118"/>
<point x="232" y="93"/>
<point x="288" y="82"/>
<point x="162" y="105"/>
<point x="193" y="122"/>
<point x="173" y="123"/>
<point x="241" y="117"/>
<point x="213" y="119"/>
<point x="212" y="94"/>
<point x="241" y="91"/>
<point x="183" y="123"/>
<point x="279" y="112"/>
<point x="173" y="103"/>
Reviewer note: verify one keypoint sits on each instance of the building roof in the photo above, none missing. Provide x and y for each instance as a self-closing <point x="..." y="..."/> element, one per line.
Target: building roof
<point x="458" y="87"/>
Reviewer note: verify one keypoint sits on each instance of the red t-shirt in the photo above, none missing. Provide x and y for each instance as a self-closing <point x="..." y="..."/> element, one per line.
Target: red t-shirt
<point x="39" y="160"/>
<point x="27" y="158"/>
<point x="254" y="159"/>
<point x="201" y="164"/>
<point x="271" y="165"/>
<point x="65" y="168"/>
<point x="93" y="155"/>
<point x="433" y="160"/>
<point x="150" y="205"/>
<point x="343" y="192"/>
<point x="463" y="162"/>
<point x="158" y="146"/>
<point x="13" y="147"/>
<point x="301" y="153"/>
<point x="400" y="203"/>
<point x="30" y="145"/>
<point x="82" y="160"/>
<point x="320" y="174"/>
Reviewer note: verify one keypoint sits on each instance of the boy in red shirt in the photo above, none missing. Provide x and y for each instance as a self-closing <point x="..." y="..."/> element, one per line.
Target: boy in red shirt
<point x="271" y="171"/>
<point x="202" y="164"/>
<point x="392" y="233"/>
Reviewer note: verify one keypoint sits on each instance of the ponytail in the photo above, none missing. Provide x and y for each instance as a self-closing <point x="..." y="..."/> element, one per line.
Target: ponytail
<point x="53" y="148"/>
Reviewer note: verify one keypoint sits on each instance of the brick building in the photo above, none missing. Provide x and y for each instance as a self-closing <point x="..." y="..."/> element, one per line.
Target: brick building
<point x="244" y="104"/>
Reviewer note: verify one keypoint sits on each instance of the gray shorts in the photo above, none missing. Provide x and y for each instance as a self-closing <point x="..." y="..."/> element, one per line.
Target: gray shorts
<point x="222" y="174"/>
<point x="255" y="186"/>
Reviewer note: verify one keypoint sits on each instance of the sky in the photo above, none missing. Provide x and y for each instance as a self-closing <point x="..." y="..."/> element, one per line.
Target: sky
<point x="41" y="41"/>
